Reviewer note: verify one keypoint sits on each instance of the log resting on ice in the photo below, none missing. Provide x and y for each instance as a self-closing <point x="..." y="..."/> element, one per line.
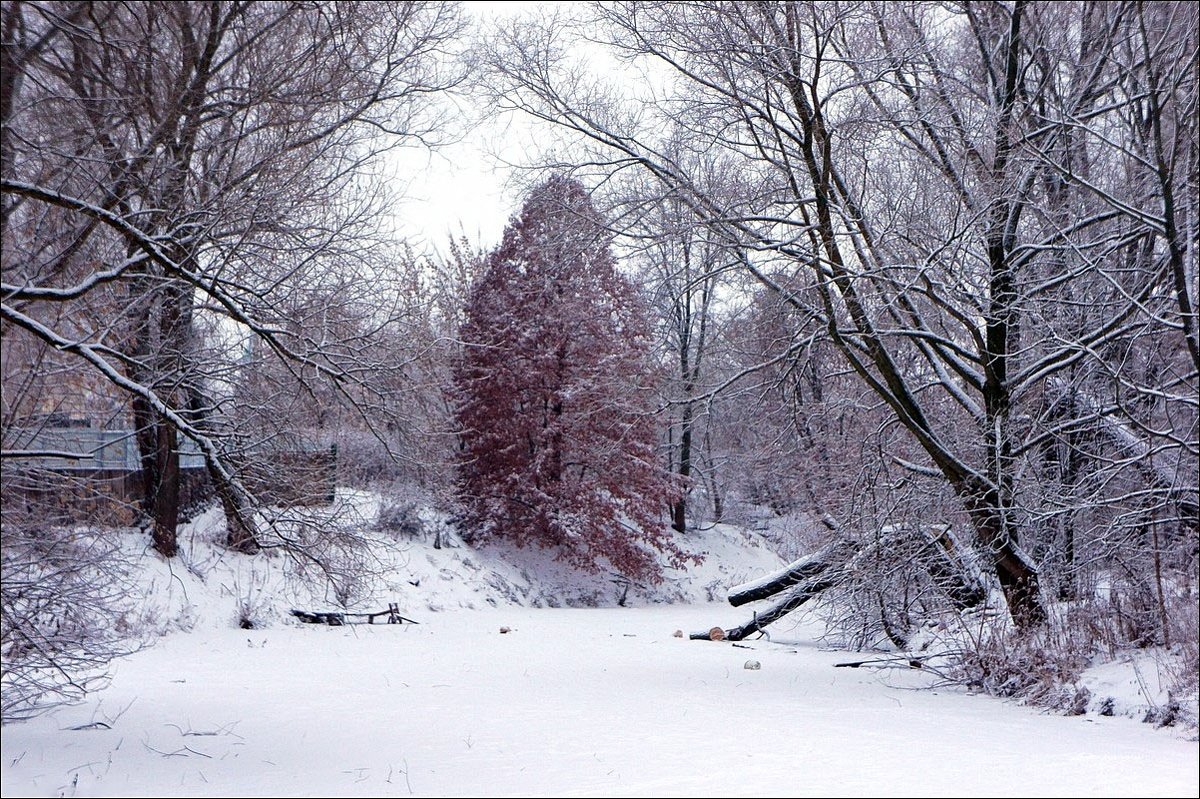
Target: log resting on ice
<point x="796" y="595"/>
<point x="951" y="566"/>
<point x="807" y="567"/>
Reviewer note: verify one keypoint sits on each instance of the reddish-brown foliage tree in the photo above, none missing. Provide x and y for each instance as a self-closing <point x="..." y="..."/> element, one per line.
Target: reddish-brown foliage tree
<point x="558" y="438"/>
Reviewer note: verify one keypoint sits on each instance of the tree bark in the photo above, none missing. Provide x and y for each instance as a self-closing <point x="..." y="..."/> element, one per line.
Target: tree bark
<point x="950" y="571"/>
<point x="796" y="572"/>
<point x="159" y="455"/>
<point x="679" y="511"/>
<point x="796" y="596"/>
<point x="989" y="512"/>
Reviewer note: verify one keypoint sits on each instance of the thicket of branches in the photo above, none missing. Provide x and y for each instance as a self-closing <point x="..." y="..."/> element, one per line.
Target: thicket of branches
<point x="973" y="232"/>
<point x="194" y="210"/>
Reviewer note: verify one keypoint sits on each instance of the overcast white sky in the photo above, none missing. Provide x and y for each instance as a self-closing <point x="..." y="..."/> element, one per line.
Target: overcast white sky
<point x="453" y="192"/>
<point x="461" y="189"/>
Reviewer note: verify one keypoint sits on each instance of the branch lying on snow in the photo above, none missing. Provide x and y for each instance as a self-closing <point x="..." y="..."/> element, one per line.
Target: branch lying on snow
<point x="223" y="730"/>
<point x="912" y="663"/>
<point x="924" y="663"/>
<point x="183" y="752"/>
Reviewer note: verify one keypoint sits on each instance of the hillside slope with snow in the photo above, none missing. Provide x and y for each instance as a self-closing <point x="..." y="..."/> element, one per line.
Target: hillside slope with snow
<point x="424" y="568"/>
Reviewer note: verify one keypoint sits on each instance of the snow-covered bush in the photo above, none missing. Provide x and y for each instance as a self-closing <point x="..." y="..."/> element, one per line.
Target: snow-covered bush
<point x="400" y="517"/>
<point x="64" y="614"/>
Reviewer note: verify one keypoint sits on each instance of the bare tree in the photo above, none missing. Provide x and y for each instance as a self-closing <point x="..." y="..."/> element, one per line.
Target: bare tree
<point x="683" y="268"/>
<point x="903" y="167"/>
<point x="175" y="167"/>
<point x="62" y="620"/>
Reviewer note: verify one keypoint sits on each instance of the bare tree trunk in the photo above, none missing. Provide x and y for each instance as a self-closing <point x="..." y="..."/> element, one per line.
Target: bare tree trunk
<point x="796" y="596"/>
<point x="991" y="505"/>
<point x="805" y="568"/>
<point x="158" y="443"/>
<point x="236" y="505"/>
<point x="239" y="536"/>
<point x="679" y="510"/>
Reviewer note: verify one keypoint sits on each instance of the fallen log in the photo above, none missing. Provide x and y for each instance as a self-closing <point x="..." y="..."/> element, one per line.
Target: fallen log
<point x="1076" y="409"/>
<point x="796" y="596"/>
<point x="951" y="566"/>
<point x="805" y="568"/>
<point x="333" y="619"/>
<point x="912" y="663"/>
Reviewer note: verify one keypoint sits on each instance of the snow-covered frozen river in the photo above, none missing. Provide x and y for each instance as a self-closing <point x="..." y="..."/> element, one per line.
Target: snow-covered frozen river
<point x="568" y="703"/>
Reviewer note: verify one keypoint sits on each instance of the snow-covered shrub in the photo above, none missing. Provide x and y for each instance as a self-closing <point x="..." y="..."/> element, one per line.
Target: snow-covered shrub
<point x="1031" y="665"/>
<point x="254" y="608"/>
<point x="1050" y="667"/>
<point x="63" y="602"/>
<point x="1185" y="642"/>
<point x="400" y="517"/>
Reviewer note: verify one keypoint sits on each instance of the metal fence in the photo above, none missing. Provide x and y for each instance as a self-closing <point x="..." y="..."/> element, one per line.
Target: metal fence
<point x="88" y="449"/>
<point x="96" y="468"/>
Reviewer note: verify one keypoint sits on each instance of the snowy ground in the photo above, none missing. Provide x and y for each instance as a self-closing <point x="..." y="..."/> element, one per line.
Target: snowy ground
<point x="571" y="702"/>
